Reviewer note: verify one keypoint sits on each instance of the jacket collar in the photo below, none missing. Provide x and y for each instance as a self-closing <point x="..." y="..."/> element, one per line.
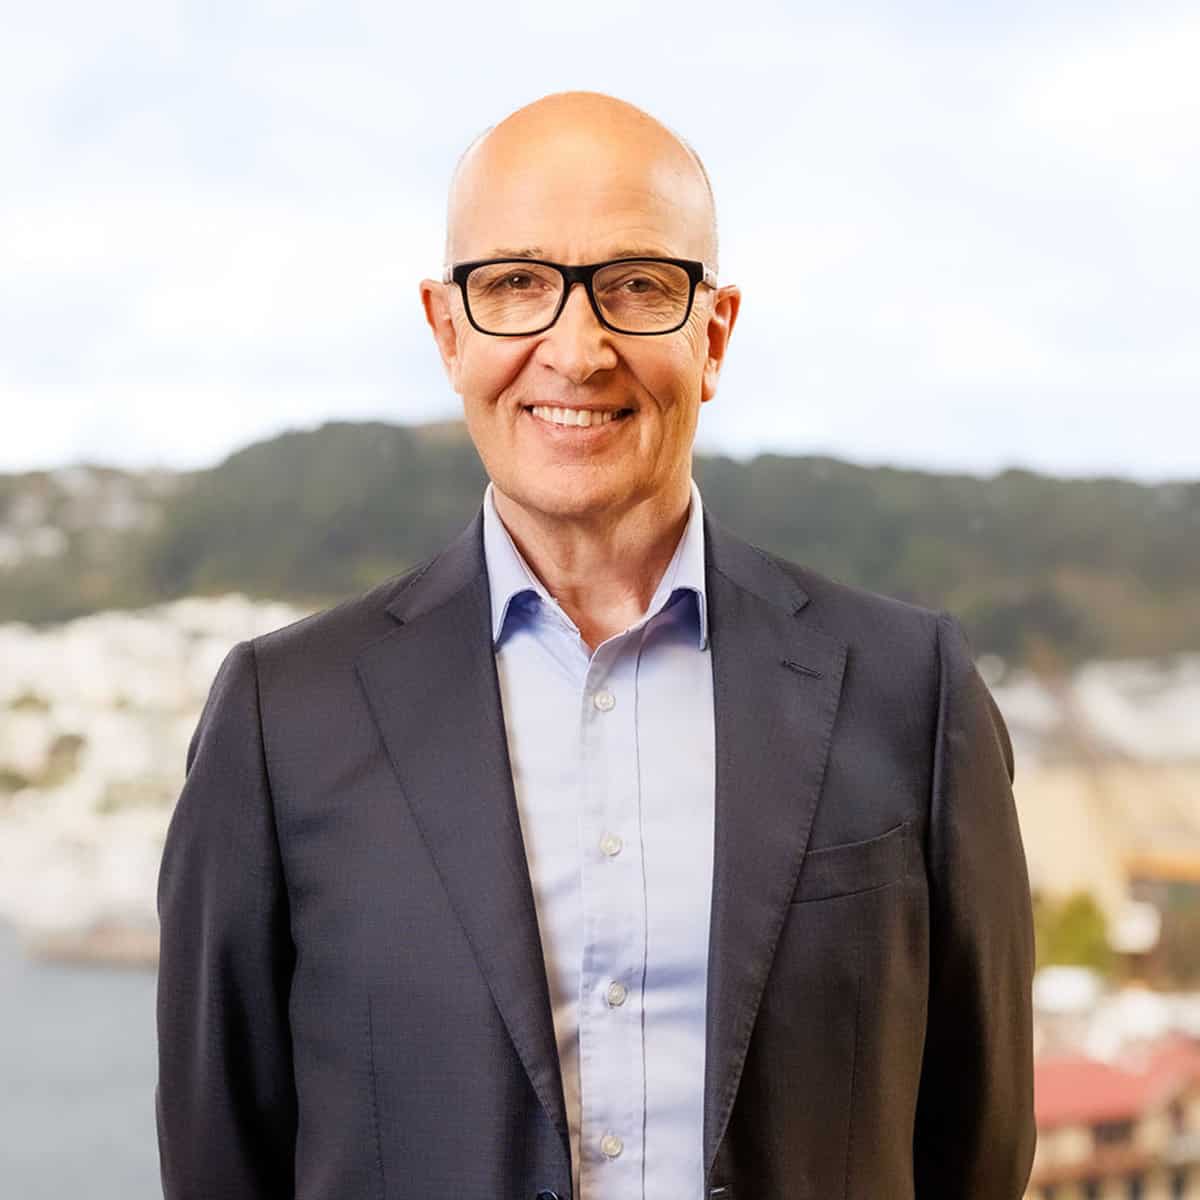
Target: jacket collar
<point x="705" y="543"/>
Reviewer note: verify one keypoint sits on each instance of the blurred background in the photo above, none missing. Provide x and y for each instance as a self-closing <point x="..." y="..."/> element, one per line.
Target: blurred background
<point x="966" y="373"/>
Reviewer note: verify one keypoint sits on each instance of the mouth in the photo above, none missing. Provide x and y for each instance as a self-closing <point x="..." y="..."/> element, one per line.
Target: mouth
<point x="570" y="422"/>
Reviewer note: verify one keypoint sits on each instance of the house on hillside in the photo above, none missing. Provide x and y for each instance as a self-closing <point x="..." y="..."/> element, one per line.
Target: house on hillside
<point x="1169" y="879"/>
<point x="1119" y="1131"/>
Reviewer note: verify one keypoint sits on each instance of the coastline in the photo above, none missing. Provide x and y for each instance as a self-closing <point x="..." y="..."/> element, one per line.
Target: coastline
<point x="102" y="944"/>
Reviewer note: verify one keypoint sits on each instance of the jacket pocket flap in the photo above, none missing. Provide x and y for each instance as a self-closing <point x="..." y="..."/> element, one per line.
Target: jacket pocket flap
<point x="854" y="866"/>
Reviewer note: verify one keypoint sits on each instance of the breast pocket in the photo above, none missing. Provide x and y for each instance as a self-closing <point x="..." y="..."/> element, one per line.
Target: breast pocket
<point x="851" y="867"/>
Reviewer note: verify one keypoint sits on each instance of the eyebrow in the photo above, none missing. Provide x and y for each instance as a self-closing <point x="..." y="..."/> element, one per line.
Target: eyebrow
<point x="538" y="252"/>
<point x="527" y="252"/>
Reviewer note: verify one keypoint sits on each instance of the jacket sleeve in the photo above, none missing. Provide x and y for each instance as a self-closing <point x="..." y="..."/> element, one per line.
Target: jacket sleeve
<point x="225" y="1104"/>
<point x="975" y="1134"/>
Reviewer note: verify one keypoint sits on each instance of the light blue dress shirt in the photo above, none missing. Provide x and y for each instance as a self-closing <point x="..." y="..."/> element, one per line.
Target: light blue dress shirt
<point x="612" y="757"/>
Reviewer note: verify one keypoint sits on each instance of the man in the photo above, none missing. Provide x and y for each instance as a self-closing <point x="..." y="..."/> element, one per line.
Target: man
<point x="604" y="855"/>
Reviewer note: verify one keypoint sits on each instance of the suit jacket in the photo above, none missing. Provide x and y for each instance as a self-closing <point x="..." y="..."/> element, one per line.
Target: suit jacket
<point x="352" y="1002"/>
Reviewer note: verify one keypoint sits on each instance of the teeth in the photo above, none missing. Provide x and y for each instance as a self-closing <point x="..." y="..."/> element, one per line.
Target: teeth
<point x="571" y="416"/>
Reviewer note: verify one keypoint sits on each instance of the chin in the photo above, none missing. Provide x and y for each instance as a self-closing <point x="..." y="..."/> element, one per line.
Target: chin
<point x="564" y="496"/>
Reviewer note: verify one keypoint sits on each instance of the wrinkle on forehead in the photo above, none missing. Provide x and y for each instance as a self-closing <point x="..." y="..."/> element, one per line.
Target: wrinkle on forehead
<point x="622" y="148"/>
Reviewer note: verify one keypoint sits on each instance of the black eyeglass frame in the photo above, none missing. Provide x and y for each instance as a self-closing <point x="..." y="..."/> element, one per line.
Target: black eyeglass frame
<point x="697" y="273"/>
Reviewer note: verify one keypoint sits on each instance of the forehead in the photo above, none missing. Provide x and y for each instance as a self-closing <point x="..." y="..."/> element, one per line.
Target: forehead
<point x="578" y="199"/>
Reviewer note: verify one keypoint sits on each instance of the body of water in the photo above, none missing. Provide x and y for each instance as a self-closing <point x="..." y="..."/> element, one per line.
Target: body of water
<point x="78" y="1064"/>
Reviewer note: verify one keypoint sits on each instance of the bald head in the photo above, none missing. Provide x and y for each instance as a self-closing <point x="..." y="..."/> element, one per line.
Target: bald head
<point x="589" y="140"/>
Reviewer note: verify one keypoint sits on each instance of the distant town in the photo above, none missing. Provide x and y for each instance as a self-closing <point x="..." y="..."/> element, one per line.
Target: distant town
<point x="97" y="710"/>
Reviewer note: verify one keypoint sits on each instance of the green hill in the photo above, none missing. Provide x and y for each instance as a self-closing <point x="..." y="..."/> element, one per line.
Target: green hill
<point x="1032" y="564"/>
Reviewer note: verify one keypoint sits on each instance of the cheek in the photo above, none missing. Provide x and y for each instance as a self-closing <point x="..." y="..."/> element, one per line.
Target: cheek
<point x="671" y="377"/>
<point x="485" y="371"/>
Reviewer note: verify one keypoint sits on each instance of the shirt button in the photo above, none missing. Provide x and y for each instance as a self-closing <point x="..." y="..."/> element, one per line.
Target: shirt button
<point x="616" y="993"/>
<point x="610" y="843"/>
<point x="611" y="1145"/>
<point x="604" y="699"/>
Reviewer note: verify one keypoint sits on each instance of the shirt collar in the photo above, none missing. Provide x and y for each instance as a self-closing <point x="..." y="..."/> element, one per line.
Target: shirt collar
<point x="510" y="577"/>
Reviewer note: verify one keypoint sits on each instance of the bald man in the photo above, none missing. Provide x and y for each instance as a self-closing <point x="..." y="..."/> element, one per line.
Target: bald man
<point x="604" y="855"/>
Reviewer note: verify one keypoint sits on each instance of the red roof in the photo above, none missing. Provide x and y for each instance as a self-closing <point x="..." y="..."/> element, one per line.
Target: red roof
<point x="1071" y="1089"/>
<point x="1169" y="1065"/>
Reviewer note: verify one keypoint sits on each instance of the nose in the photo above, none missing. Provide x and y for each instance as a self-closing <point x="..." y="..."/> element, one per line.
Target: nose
<point x="577" y="345"/>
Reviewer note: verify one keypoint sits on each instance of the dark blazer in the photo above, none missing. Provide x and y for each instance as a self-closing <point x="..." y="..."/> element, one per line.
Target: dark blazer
<point x="352" y="1002"/>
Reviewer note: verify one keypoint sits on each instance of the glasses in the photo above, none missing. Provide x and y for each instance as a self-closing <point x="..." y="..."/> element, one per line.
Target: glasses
<point x="509" y="297"/>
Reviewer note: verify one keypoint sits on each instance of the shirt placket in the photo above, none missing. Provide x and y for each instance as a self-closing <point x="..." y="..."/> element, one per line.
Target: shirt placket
<point x="612" y="1083"/>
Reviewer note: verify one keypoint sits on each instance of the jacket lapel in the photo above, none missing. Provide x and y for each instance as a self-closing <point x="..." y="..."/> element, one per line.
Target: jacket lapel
<point x="776" y="684"/>
<point x="434" y="691"/>
<point x="435" y="695"/>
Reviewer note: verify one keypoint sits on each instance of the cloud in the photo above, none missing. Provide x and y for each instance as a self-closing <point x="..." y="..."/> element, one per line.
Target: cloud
<point x="965" y="243"/>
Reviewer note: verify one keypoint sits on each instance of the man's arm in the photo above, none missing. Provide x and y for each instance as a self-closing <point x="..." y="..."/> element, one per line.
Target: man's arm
<point x="225" y="1102"/>
<point x="975" y="1134"/>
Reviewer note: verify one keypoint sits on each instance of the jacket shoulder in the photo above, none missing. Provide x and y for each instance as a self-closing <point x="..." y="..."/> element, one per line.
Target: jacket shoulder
<point x="858" y="615"/>
<point x="329" y="640"/>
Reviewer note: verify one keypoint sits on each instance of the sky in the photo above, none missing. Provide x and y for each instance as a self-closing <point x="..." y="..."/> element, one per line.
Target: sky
<point x="966" y="235"/>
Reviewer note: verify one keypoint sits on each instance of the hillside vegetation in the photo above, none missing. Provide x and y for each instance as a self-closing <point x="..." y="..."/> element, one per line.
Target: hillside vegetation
<point x="1033" y="565"/>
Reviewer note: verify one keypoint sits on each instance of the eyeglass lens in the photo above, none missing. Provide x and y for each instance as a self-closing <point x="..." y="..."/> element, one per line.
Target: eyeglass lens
<point x="521" y="297"/>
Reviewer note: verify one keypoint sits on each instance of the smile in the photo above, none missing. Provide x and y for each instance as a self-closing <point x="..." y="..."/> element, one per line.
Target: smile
<point x="579" y="418"/>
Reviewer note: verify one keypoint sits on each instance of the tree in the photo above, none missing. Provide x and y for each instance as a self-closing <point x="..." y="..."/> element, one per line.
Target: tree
<point x="1071" y="931"/>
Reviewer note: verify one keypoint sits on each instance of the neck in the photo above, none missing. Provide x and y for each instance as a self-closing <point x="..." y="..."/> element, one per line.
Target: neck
<point x="603" y="572"/>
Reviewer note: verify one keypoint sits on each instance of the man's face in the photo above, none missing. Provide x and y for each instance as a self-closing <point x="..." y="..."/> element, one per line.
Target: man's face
<point x="582" y="196"/>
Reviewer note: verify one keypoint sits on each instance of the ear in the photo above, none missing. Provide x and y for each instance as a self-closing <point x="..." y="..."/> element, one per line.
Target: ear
<point x="720" y="329"/>
<point x="435" y="298"/>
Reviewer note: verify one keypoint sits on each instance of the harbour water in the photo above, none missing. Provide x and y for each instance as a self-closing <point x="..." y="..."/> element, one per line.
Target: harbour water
<point x="78" y="1064"/>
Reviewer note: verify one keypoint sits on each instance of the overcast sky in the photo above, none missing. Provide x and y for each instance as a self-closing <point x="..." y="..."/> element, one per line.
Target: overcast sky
<point x="966" y="235"/>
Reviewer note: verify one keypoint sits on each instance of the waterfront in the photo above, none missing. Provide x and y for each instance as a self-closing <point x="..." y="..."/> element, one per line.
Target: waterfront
<point x="78" y="1061"/>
